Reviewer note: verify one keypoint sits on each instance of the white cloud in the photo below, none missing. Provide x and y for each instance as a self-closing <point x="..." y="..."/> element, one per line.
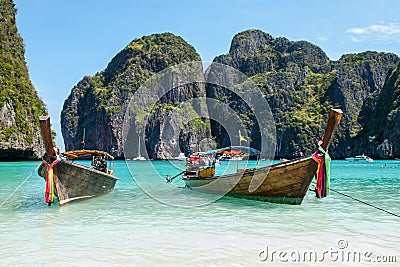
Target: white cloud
<point x="357" y="30"/>
<point x="376" y="32"/>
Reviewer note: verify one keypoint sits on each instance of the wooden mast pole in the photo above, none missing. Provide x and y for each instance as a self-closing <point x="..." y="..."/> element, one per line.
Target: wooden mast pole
<point x="46" y="134"/>
<point x="333" y="122"/>
<point x="45" y="128"/>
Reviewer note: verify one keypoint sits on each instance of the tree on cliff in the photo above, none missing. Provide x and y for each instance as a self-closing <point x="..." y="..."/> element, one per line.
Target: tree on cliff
<point x="20" y="105"/>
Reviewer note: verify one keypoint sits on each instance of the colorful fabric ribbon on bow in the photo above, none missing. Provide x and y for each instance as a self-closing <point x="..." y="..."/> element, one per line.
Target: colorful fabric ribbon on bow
<point x="49" y="195"/>
<point x="323" y="172"/>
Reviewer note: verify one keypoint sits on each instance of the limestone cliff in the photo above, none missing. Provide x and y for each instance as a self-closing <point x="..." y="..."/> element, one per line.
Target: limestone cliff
<point x="98" y="103"/>
<point x="20" y="105"/>
<point x="301" y="84"/>
<point x="297" y="79"/>
<point x="380" y="134"/>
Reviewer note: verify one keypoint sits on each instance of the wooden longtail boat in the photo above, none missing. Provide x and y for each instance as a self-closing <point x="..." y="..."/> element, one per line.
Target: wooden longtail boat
<point x="73" y="181"/>
<point x="285" y="182"/>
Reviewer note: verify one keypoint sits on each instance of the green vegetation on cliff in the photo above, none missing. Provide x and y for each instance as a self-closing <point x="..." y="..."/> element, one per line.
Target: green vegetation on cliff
<point x="301" y="84"/>
<point x="20" y="105"/>
<point x="98" y="103"/>
<point x="298" y="80"/>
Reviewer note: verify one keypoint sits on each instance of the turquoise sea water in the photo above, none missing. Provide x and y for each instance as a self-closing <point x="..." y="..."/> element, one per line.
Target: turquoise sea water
<point x="129" y="227"/>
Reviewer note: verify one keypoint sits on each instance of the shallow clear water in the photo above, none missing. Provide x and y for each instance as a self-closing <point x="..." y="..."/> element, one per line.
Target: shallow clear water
<point x="127" y="227"/>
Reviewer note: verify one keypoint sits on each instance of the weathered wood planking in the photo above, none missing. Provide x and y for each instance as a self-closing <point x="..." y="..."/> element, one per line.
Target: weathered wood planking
<point x="78" y="182"/>
<point x="286" y="182"/>
<point x="73" y="181"/>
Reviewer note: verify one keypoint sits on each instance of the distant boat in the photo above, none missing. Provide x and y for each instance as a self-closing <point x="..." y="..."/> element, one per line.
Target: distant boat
<point x="181" y="157"/>
<point x="286" y="182"/>
<point x="139" y="157"/>
<point x="70" y="181"/>
<point x="236" y="158"/>
<point x="360" y="158"/>
<point x="232" y="153"/>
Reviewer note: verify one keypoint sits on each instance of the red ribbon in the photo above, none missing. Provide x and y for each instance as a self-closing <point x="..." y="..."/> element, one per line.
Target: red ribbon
<point x="321" y="173"/>
<point x="49" y="195"/>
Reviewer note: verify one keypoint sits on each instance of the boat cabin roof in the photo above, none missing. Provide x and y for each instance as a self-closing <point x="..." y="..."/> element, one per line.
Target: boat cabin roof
<point x="232" y="150"/>
<point x="85" y="153"/>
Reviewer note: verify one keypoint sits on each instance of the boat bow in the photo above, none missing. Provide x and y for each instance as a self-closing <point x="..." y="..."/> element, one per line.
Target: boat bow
<point x="285" y="182"/>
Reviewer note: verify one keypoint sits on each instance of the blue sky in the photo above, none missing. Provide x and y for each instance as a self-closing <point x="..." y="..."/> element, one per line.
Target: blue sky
<point x="68" y="39"/>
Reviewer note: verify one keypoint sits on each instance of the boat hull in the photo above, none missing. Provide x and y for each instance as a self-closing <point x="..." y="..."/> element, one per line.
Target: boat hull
<point x="77" y="182"/>
<point x="284" y="183"/>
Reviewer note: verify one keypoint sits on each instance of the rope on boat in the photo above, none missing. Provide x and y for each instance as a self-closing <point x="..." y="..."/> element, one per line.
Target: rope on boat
<point x="363" y="202"/>
<point x="18" y="187"/>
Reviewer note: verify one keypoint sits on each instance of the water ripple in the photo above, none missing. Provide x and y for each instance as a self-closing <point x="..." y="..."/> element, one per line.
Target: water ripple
<point x="128" y="228"/>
